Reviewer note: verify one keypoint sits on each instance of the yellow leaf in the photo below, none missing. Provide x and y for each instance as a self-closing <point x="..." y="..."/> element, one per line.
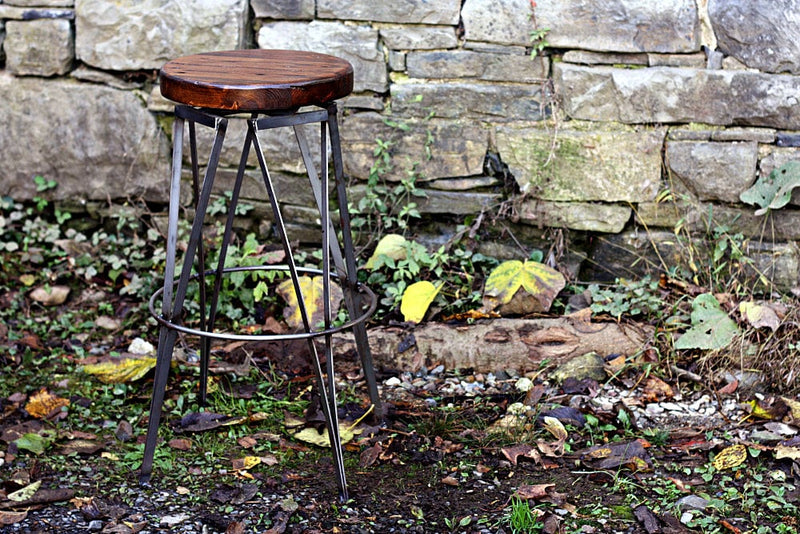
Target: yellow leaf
<point x="556" y="428"/>
<point x="537" y="279"/>
<point x="794" y="406"/>
<point x="390" y="245"/>
<point x="311" y="289"/>
<point x="25" y="493"/>
<point x="127" y="370"/>
<point x="43" y="404"/>
<point x="321" y="439"/>
<point x="759" y="411"/>
<point x="247" y="462"/>
<point x="109" y="456"/>
<point x="416" y="299"/>
<point x="784" y="451"/>
<point x="730" y="457"/>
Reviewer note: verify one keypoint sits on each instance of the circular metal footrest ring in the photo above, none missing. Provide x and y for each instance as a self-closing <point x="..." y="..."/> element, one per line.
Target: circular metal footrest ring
<point x="363" y="289"/>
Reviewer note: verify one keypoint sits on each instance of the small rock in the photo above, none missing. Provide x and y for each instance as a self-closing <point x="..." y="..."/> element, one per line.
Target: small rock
<point x="172" y="520"/>
<point x="50" y="296"/>
<point x="392" y="382"/>
<point x="590" y="365"/>
<point x="141" y="347"/>
<point x="95" y="525"/>
<point x="692" y="502"/>
<point x="107" y="323"/>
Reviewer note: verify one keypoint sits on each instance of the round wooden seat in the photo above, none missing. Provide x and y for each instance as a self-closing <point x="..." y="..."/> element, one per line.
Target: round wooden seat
<point x="256" y="80"/>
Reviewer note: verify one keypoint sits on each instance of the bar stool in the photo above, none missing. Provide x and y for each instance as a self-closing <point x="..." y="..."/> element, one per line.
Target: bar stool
<point x="269" y="87"/>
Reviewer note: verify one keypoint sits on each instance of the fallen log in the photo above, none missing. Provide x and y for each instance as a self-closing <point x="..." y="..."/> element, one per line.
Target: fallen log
<point x="495" y="344"/>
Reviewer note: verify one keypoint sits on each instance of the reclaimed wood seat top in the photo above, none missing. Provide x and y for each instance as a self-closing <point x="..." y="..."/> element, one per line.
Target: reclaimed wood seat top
<point x="256" y="80"/>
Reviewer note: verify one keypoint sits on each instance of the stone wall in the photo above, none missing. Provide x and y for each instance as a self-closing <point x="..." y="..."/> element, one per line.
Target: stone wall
<point x="630" y="99"/>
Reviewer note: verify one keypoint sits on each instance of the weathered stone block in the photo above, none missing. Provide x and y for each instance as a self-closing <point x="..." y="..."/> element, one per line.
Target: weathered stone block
<point x="402" y="11"/>
<point x="419" y="37"/>
<point x="672" y="95"/>
<point x="145" y="34"/>
<point x="482" y="66"/>
<point x="759" y="135"/>
<point x="33" y="13"/>
<point x="397" y="61"/>
<point x="692" y="61"/>
<point x="615" y="164"/>
<point x="497" y="21"/>
<point x="40" y="3"/>
<point x="463" y="184"/>
<point x="283" y="9"/>
<point x="108" y="144"/>
<point x="41" y="47"/>
<point x="453" y="203"/>
<point x="457" y="148"/>
<point x="714" y="171"/>
<point x="590" y="217"/>
<point x="586" y="57"/>
<point x="621" y="25"/>
<point x="356" y="44"/>
<point x="496" y="103"/>
<point x="758" y="32"/>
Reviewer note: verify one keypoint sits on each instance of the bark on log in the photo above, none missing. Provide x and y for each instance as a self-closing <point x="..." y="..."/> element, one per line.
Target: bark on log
<point x="492" y="345"/>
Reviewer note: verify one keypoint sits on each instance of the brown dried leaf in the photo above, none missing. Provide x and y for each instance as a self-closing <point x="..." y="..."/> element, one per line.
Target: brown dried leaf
<point x="44" y="404"/>
<point x="533" y="491"/>
<point x="656" y="390"/>
<point x="181" y="444"/>
<point x="450" y="481"/>
<point x="10" y="518"/>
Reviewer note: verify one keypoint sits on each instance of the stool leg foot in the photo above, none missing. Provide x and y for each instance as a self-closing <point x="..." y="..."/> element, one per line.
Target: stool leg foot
<point x="166" y="343"/>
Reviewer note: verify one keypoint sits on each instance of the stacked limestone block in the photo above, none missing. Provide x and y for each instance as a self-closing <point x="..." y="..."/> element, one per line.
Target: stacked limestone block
<point x="631" y="100"/>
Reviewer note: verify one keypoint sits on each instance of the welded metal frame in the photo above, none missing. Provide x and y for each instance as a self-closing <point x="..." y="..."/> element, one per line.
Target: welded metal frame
<point x="360" y="301"/>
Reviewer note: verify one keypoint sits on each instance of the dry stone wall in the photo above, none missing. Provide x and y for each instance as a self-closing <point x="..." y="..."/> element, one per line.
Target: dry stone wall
<point x="631" y="99"/>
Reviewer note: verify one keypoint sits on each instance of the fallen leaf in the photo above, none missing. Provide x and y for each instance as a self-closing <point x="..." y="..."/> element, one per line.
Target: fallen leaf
<point x="80" y="446"/>
<point x="711" y="329"/>
<point x="311" y="289"/>
<point x="44" y="404"/>
<point x="759" y="315"/>
<point x="181" y="444"/>
<point x="450" y="481"/>
<point x="10" y="518"/>
<point x="248" y="462"/>
<point x="730" y="457"/>
<point x="784" y="451"/>
<point x="25" y="493"/>
<point x="126" y="370"/>
<point x="536" y="279"/>
<point x="201" y="421"/>
<point x="393" y="246"/>
<point x="370" y="455"/>
<point x="417" y="299"/>
<point x="247" y="442"/>
<point x="656" y="390"/>
<point x="35" y="443"/>
<point x="513" y="453"/>
<point x="554" y="426"/>
<point x="774" y="190"/>
<point x="533" y="491"/>
<point x="50" y="296"/>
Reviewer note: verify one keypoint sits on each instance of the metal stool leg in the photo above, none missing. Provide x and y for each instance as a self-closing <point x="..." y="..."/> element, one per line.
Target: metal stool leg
<point x="171" y="309"/>
<point x="331" y="417"/>
<point x="347" y="275"/>
<point x="359" y="330"/>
